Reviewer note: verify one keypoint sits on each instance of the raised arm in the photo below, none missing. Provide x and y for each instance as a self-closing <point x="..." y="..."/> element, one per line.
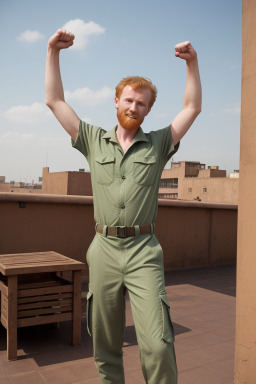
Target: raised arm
<point x="54" y="94"/>
<point x="193" y="92"/>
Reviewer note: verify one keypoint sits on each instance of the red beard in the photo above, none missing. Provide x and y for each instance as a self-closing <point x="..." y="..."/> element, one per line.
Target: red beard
<point x="128" y="123"/>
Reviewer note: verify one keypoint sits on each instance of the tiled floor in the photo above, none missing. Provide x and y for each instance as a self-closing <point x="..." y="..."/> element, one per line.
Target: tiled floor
<point x="203" y="311"/>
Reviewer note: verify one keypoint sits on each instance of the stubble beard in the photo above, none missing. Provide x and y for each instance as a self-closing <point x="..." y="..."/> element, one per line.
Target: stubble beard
<point x="127" y="122"/>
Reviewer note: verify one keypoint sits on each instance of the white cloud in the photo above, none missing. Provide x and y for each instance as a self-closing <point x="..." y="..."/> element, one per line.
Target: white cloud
<point x="88" y="97"/>
<point x="28" y="114"/>
<point x="30" y="36"/>
<point x="10" y="140"/>
<point x="17" y="136"/>
<point x="55" y="142"/>
<point x="83" y="31"/>
<point x="235" y="110"/>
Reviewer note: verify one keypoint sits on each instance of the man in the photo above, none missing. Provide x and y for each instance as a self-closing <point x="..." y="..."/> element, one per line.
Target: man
<point x="126" y="166"/>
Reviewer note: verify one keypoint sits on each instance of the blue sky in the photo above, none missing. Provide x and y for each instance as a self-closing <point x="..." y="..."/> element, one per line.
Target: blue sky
<point x="117" y="39"/>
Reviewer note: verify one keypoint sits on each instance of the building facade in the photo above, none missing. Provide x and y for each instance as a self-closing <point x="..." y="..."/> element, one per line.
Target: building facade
<point x="66" y="183"/>
<point x="191" y="180"/>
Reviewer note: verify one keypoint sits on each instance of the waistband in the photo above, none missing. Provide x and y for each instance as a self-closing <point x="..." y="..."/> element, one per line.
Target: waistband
<point x="122" y="231"/>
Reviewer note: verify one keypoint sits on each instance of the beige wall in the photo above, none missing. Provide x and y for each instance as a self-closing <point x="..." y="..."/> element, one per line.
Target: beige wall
<point x="191" y="234"/>
<point x="5" y="187"/>
<point x="67" y="183"/>
<point x="55" y="183"/>
<point x="79" y="183"/>
<point x="245" y="358"/>
<point x="212" y="173"/>
<point x="14" y="188"/>
<point x="220" y="189"/>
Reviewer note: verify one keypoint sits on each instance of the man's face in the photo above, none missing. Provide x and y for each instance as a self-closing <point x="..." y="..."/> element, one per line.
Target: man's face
<point x="132" y="107"/>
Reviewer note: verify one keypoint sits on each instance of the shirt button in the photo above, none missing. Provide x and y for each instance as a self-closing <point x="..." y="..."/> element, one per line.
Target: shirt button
<point x="123" y="177"/>
<point x="123" y="206"/>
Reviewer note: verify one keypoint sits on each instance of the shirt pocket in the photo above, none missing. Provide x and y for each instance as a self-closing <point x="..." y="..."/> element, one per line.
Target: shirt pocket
<point x="104" y="169"/>
<point x="144" y="169"/>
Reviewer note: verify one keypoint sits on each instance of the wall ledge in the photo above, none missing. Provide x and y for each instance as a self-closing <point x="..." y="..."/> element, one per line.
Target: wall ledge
<point x="88" y="200"/>
<point x="196" y="204"/>
<point x="46" y="198"/>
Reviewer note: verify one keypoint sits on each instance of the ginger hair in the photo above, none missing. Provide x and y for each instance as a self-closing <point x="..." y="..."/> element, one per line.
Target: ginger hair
<point x="137" y="82"/>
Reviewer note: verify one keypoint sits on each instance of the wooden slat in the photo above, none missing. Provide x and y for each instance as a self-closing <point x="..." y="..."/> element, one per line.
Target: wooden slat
<point x="44" y="304"/>
<point x="4" y="311"/>
<point x="41" y="268"/>
<point x="31" y="291"/>
<point x="77" y="310"/>
<point x="3" y="320"/>
<point x="39" y="285"/>
<point x="4" y="303"/>
<point x="42" y="291"/>
<point x="22" y="300"/>
<point x="44" y="319"/>
<point x="45" y="311"/>
<point x="3" y="288"/>
<point x="25" y="263"/>
<point x="12" y="318"/>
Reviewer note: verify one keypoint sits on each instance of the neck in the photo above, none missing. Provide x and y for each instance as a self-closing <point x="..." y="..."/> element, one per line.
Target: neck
<point x="125" y="137"/>
<point x="125" y="134"/>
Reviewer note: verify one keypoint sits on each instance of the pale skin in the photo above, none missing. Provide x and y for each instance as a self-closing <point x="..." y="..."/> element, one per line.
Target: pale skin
<point x="134" y="103"/>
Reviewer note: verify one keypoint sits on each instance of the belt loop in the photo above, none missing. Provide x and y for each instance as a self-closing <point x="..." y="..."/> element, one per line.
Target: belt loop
<point x="105" y="230"/>
<point x="137" y="231"/>
<point x="152" y="228"/>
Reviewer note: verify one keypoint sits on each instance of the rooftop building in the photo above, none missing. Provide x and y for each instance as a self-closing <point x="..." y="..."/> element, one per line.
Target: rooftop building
<point x="191" y="180"/>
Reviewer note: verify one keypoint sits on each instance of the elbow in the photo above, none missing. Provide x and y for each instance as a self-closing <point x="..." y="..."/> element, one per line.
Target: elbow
<point x="197" y="110"/>
<point x="49" y="103"/>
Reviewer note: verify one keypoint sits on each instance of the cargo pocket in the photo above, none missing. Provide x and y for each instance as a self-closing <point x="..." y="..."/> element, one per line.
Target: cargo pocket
<point x="89" y="312"/>
<point x="167" y="330"/>
<point x="144" y="169"/>
<point x="104" y="169"/>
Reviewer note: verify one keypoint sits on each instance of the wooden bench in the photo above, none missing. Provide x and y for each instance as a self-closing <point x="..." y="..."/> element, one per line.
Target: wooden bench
<point x="32" y="293"/>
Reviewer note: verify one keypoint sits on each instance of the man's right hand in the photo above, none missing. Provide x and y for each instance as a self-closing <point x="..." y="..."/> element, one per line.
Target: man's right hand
<point x="61" y="40"/>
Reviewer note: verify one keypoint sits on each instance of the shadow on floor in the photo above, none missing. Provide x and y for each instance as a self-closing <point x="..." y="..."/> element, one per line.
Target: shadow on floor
<point x="219" y="279"/>
<point x="48" y="346"/>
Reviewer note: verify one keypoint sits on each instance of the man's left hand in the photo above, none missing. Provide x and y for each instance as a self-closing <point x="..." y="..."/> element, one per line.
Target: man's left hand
<point x="185" y="51"/>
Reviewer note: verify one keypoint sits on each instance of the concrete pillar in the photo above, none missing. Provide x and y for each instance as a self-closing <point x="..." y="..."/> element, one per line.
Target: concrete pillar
<point x="245" y="355"/>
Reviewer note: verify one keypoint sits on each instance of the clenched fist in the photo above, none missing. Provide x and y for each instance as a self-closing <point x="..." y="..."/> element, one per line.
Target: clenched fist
<point x="185" y="51"/>
<point x="61" y="40"/>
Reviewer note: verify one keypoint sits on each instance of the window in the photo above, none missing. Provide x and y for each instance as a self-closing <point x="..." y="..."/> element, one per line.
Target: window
<point x="204" y="190"/>
<point x="189" y="189"/>
<point x="168" y="195"/>
<point x="169" y="183"/>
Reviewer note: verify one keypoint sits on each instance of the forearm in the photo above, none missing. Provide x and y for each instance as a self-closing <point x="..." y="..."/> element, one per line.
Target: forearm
<point x="193" y="91"/>
<point x="53" y="83"/>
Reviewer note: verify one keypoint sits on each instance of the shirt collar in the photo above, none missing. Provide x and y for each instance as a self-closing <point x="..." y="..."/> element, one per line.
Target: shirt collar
<point x="111" y="134"/>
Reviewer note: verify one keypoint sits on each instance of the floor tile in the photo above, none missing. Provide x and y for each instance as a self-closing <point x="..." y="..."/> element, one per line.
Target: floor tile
<point x="203" y="312"/>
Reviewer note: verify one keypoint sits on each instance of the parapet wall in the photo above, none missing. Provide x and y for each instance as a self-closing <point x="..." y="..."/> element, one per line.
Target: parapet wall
<point x="192" y="234"/>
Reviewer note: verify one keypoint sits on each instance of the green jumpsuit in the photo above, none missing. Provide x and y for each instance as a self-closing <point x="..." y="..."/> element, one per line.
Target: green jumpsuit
<point x="125" y="191"/>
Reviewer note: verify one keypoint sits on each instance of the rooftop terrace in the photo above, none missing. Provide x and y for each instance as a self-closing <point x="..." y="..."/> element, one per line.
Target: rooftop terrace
<point x="196" y="237"/>
<point x="203" y="311"/>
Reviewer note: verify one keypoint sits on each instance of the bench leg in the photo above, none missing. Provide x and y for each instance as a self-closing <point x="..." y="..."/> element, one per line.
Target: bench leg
<point x="12" y="318"/>
<point x="77" y="308"/>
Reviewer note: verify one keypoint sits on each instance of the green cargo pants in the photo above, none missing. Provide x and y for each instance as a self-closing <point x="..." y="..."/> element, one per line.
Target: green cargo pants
<point x="134" y="263"/>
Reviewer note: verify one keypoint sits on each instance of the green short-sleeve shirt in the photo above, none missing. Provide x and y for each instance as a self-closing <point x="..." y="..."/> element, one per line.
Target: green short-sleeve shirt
<point x="125" y="185"/>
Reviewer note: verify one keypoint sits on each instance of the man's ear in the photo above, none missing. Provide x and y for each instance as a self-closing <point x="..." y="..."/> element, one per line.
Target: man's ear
<point x="116" y="102"/>
<point x="149" y="109"/>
